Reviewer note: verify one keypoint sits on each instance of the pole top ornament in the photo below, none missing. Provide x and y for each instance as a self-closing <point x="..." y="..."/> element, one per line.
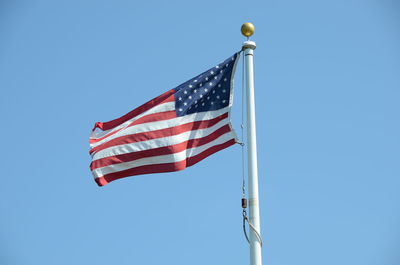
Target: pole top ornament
<point x="247" y="29"/>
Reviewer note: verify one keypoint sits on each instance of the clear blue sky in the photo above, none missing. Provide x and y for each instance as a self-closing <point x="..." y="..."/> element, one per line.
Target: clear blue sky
<point x="327" y="79"/>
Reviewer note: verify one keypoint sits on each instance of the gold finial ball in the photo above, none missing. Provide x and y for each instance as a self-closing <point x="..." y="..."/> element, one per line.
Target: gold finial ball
<point x="247" y="29"/>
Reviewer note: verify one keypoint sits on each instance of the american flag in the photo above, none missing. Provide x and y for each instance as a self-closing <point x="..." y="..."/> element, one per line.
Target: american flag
<point x="170" y="132"/>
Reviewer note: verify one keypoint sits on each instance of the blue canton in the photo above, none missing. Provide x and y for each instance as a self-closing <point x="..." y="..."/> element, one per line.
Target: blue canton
<point x="208" y="91"/>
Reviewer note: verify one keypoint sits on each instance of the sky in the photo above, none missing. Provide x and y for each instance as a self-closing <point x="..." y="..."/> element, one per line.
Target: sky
<point x="327" y="88"/>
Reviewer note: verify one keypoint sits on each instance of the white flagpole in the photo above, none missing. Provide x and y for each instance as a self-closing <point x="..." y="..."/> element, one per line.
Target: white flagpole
<point x="254" y="212"/>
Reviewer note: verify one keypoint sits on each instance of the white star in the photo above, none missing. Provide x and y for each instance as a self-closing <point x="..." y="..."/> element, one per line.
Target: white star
<point x="195" y="81"/>
<point x="215" y="77"/>
<point x="205" y="89"/>
<point x="225" y="79"/>
<point x="217" y="66"/>
<point x="208" y="98"/>
<point x="233" y="58"/>
<point x="195" y="90"/>
<point x="190" y="97"/>
<point x="212" y="72"/>
<point x="190" y="86"/>
<point x="213" y="91"/>
<point x="226" y="65"/>
<point x="210" y="83"/>
<point x="212" y="103"/>
<point x="201" y="95"/>
<point x="180" y="98"/>
<point x="196" y="106"/>
<point x="224" y="90"/>
<point x="219" y="85"/>
<point x="207" y="78"/>
<point x="201" y="84"/>
<point x="185" y="92"/>
<point x="180" y="109"/>
<point x="223" y="101"/>
<point x="221" y="71"/>
<point x="184" y="103"/>
<point x="202" y="104"/>
<point x="195" y="102"/>
<point x="218" y="97"/>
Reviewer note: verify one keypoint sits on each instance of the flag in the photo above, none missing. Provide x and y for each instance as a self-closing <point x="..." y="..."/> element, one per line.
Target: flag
<point x="170" y="132"/>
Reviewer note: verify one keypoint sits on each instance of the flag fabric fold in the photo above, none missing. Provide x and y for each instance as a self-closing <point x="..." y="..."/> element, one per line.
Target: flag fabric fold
<point x="170" y="132"/>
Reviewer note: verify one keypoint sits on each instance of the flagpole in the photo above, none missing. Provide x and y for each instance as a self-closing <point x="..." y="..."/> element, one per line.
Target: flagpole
<point x="248" y="48"/>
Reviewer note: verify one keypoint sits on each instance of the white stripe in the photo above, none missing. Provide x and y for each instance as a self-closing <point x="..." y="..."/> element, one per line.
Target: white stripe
<point x="159" y="125"/>
<point x="158" y="108"/>
<point x="163" y="159"/>
<point x="159" y="142"/>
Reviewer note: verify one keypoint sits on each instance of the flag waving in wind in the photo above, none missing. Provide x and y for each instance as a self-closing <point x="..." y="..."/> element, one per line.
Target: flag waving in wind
<point x="170" y="132"/>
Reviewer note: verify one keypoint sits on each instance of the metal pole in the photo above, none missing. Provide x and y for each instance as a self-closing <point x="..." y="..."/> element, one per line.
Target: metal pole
<point x="254" y="211"/>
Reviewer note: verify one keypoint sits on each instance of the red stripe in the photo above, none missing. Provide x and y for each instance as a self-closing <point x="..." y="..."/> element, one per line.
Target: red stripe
<point x="159" y="168"/>
<point x="166" y="150"/>
<point x="159" y="116"/>
<point x="163" y="98"/>
<point x="139" y="137"/>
